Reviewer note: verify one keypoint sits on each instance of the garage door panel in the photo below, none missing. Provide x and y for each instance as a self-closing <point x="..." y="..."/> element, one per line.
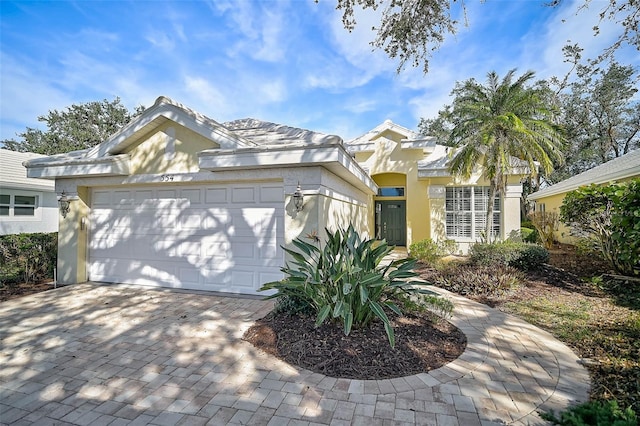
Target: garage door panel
<point x="194" y="196"/>
<point x="216" y="196"/>
<point x="167" y="194"/>
<point x="101" y="198"/>
<point x="242" y="278"/>
<point x="190" y="277"/>
<point x="143" y="196"/>
<point x="191" y="221"/>
<point x="121" y="198"/>
<point x="168" y="248"/>
<point x="209" y="237"/>
<point x="142" y="223"/>
<point x="243" y="195"/>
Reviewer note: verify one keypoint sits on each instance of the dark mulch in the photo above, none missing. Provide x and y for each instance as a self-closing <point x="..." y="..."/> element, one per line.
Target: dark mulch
<point x="12" y="291"/>
<point x="423" y="343"/>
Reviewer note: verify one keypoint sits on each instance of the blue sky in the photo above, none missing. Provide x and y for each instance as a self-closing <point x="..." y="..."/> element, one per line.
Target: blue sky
<point x="288" y="61"/>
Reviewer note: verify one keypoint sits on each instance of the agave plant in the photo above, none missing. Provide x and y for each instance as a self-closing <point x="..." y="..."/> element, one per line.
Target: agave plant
<point x="346" y="280"/>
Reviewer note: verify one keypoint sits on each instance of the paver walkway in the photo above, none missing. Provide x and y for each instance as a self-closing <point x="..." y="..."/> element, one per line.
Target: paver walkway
<point x="94" y="354"/>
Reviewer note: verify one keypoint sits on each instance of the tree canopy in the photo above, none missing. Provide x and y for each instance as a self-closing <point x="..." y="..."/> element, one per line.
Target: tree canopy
<point x="500" y="125"/>
<point x="601" y="117"/>
<point x="410" y="30"/>
<point x="78" y="126"/>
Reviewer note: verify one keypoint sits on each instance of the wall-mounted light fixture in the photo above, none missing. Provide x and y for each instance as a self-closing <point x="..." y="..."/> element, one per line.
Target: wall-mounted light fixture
<point x="298" y="198"/>
<point x="64" y="202"/>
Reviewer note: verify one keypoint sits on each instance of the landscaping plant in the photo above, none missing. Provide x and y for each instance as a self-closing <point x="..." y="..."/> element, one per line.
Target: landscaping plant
<point x="609" y="217"/>
<point x="479" y="280"/>
<point x="522" y="256"/>
<point x="27" y="257"/>
<point x="430" y="251"/>
<point x="546" y="224"/>
<point x="594" y="413"/>
<point x="345" y="280"/>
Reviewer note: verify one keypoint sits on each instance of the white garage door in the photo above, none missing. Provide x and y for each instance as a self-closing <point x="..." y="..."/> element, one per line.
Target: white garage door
<point x="205" y="237"/>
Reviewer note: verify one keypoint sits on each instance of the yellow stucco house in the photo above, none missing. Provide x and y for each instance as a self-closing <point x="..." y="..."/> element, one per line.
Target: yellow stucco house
<point x="177" y="199"/>
<point x="417" y="198"/>
<point x="550" y="199"/>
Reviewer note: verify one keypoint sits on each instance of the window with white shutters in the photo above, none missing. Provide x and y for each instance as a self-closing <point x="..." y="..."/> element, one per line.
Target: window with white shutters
<point x="466" y="212"/>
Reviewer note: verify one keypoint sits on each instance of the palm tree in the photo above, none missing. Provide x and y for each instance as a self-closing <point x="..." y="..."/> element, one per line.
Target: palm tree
<point x="500" y="126"/>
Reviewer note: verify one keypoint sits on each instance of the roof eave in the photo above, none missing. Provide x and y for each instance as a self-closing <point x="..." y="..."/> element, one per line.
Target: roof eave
<point x="333" y="157"/>
<point x="118" y="165"/>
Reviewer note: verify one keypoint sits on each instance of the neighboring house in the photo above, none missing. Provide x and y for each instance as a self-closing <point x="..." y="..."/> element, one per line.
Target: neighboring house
<point x="177" y="199"/>
<point x="417" y="198"/>
<point x="550" y="199"/>
<point x="26" y="204"/>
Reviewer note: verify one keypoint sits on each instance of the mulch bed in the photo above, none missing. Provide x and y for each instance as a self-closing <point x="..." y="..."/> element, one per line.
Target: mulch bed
<point x="12" y="291"/>
<point x="423" y="343"/>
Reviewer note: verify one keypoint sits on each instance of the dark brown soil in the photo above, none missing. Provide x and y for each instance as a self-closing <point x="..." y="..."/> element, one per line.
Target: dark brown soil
<point x="421" y="346"/>
<point x="11" y="291"/>
<point x="423" y="342"/>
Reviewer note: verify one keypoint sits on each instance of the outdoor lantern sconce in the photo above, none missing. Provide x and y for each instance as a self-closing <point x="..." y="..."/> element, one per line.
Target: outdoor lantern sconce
<point x="298" y="198"/>
<point x="64" y="202"/>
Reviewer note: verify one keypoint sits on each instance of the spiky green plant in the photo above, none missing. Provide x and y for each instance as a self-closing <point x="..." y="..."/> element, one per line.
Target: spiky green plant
<point x="346" y="280"/>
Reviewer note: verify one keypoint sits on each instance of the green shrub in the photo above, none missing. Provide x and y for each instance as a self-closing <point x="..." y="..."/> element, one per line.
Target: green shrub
<point x="530" y="256"/>
<point x="27" y="257"/>
<point x="476" y="280"/>
<point x="608" y="215"/>
<point x="546" y="225"/>
<point x="523" y="256"/>
<point x="594" y="413"/>
<point x="345" y="280"/>
<point x="430" y="251"/>
<point x="529" y="235"/>
<point x="526" y="224"/>
<point x="291" y="305"/>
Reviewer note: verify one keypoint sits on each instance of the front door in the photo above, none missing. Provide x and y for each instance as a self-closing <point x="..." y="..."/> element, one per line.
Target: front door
<point x="391" y="222"/>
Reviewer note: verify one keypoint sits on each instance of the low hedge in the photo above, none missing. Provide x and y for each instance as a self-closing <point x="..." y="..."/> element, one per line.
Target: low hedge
<point x="430" y="251"/>
<point x="522" y="256"/>
<point x="27" y="257"/>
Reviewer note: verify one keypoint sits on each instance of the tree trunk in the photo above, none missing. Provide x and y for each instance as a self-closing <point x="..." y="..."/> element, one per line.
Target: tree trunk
<point x="489" y="222"/>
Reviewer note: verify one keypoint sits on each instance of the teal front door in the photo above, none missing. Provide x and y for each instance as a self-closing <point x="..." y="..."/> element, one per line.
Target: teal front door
<point x="391" y="222"/>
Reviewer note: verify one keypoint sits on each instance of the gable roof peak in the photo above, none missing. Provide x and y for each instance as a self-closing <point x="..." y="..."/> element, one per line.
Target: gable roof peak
<point x="166" y="109"/>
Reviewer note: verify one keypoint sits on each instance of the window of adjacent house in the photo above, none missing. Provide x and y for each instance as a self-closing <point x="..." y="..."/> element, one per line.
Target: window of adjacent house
<point x="466" y="212"/>
<point x="390" y="191"/>
<point x="541" y="207"/>
<point x="17" y="205"/>
<point x="5" y="204"/>
<point x="24" y="205"/>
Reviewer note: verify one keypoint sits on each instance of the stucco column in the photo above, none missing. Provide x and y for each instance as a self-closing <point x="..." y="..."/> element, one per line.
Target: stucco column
<point x="437" y="196"/>
<point x="72" y="236"/>
<point x="300" y="223"/>
<point x="511" y="225"/>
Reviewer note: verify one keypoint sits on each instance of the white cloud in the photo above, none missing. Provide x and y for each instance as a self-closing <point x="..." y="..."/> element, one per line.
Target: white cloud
<point x="205" y="93"/>
<point x="356" y="45"/>
<point x="361" y="105"/>
<point x="25" y="95"/>
<point x="272" y="91"/>
<point x="261" y="27"/>
<point x="160" y="40"/>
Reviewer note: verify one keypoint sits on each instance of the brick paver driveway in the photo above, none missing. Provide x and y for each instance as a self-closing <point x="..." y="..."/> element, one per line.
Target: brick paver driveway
<point x="94" y="354"/>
